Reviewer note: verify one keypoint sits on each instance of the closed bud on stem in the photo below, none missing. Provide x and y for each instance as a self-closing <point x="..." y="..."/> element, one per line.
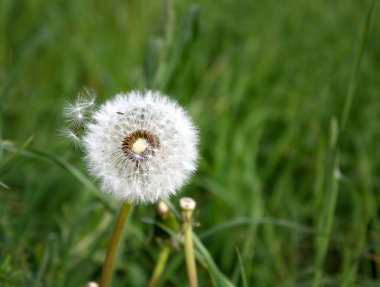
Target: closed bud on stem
<point x="162" y="209"/>
<point x="187" y="205"/>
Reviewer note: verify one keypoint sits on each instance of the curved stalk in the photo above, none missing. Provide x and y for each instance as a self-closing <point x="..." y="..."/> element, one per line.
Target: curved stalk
<point x="109" y="262"/>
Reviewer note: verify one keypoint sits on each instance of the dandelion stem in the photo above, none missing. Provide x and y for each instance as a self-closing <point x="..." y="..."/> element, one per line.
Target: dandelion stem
<point x="114" y="244"/>
<point x="160" y="265"/>
<point x="189" y="249"/>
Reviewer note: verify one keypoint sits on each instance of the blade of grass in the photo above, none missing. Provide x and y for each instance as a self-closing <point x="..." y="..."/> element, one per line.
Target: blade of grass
<point x="10" y="160"/>
<point x="362" y="44"/>
<point x="47" y="257"/>
<point x="242" y="270"/>
<point x="218" y="277"/>
<point x="65" y="165"/>
<point x="243" y="221"/>
<point x="337" y="136"/>
<point x="2" y="184"/>
<point x="326" y="222"/>
<point x="10" y="276"/>
<point x="1" y="130"/>
<point x="188" y="36"/>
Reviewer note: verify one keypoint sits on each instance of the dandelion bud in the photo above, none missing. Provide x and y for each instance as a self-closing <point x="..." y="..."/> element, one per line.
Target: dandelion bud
<point x="187" y="203"/>
<point x="162" y="208"/>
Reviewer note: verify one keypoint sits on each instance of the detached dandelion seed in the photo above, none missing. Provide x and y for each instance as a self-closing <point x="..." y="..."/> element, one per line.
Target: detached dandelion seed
<point x="78" y="113"/>
<point x="142" y="147"/>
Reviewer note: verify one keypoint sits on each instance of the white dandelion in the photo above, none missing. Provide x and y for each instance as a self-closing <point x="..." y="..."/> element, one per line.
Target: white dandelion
<point x="142" y="146"/>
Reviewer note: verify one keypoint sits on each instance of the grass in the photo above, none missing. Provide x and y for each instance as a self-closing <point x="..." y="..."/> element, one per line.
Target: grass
<point x="285" y="94"/>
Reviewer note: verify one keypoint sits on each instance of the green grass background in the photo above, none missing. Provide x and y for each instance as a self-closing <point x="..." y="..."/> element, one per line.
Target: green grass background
<point x="286" y="98"/>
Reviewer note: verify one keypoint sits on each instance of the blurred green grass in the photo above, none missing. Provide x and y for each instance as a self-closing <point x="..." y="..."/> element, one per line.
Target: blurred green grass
<point x="264" y="82"/>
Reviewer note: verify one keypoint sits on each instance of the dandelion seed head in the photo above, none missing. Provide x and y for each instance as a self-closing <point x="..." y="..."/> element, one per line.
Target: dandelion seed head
<point x="142" y="146"/>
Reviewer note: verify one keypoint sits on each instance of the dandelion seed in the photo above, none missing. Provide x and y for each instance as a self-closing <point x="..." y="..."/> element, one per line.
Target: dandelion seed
<point x="77" y="112"/>
<point x="142" y="146"/>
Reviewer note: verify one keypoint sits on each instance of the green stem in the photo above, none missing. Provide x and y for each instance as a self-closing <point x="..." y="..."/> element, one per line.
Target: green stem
<point x="189" y="251"/>
<point x="160" y="265"/>
<point x="114" y="244"/>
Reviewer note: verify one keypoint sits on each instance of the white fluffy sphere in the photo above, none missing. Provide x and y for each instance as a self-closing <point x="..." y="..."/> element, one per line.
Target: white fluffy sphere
<point x="142" y="146"/>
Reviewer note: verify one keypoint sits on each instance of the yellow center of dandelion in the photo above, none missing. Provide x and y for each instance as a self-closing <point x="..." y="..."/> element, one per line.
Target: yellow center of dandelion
<point x="140" y="145"/>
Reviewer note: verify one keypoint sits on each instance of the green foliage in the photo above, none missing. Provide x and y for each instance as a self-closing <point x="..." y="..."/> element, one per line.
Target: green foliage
<point x="285" y="94"/>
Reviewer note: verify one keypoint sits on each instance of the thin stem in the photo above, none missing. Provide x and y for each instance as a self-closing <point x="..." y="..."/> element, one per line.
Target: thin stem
<point x="160" y="265"/>
<point x="114" y="244"/>
<point x="189" y="250"/>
